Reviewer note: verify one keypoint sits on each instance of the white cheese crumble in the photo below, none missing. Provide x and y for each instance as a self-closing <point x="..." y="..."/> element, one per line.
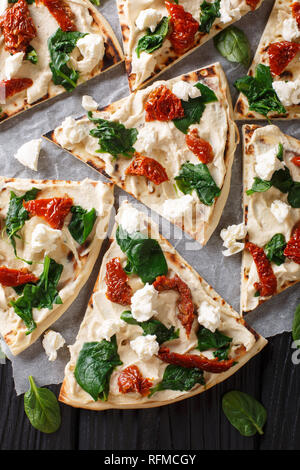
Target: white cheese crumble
<point x="176" y="208"/>
<point x="288" y="92"/>
<point x="73" y="132"/>
<point x="230" y="235"/>
<point x="145" y="346"/>
<point x="267" y="163"/>
<point x="13" y="64"/>
<point x="44" y="238"/>
<point x="143" y="66"/>
<point x="109" y="328"/>
<point x="143" y="303"/>
<point x="131" y="220"/>
<point x="209" y="316"/>
<point x="290" y="30"/>
<point x="228" y="12"/>
<point x="88" y="103"/>
<point x="3" y="301"/>
<point x="148" y="19"/>
<point x="52" y="341"/>
<point x="28" y="154"/>
<point x="184" y="90"/>
<point x="280" y="210"/>
<point x="89" y="51"/>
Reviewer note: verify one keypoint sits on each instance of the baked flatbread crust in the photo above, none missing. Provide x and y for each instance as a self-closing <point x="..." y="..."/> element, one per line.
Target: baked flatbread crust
<point x="216" y="126"/>
<point x="128" y="12"/>
<point x="78" y="260"/>
<point x="113" y="56"/>
<point x="259" y="221"/>
<point x="100" y="308"/>
<point x="272" y="33"/>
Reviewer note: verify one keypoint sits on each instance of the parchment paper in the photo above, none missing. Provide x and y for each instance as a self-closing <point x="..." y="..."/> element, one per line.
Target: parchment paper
<point x="222" y="273"/>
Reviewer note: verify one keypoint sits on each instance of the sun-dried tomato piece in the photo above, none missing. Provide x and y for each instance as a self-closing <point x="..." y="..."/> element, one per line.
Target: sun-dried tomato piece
<point x="15" y="277"/>
<point x="17" y="27"/>
<point x="131" y="380"/>
<point x="192" y="360"/>
<point x="184" y="303"/>
<point x="9" y="88"/>
<point x="252" y="3"/>
<point x="280" y="55"/>
<point x="118" y="291"/>
<point x="163" y="105"/>
<point x="296" y="160"/>
<point x="292" y="249"/>
<point x="62" y="13"/>
<point x="53" y="210"/>
<point x="200" y="147"/>
<point x="184" y="27"/>
<point x="296" y="12"/>
<point x="268" y="282"/>
<point x="148" y="167"/>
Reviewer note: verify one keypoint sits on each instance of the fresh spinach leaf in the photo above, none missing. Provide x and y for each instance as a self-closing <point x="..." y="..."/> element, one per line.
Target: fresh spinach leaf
<point x="259" y="186"/>
<point x="245" y="413"/>
<point x="280" y="152"/>
<point x="17" y="215"/>
<point x="82" y="223"/>
<point x="144" y="255"/>
<point x="31" y="55"/>
<point x="60" y="46"/>
<point x="282" y="180"/>
<point x="152" y="327"/>
<point x="113" y="137"/>
<point x="274" y="249"/>
<point x="199" y="178"/>
<point x="42" y="408"/>
<point x="294" y="195"/>
<point x="209" y="12"/>
<point x="153" y="41"/>
<point x="43" y="294"/>
<point x="179" y="378"/>
<point x="217" y="340"/>
<point x="261" y="96"/>
<point x="194" y="108"/>
<point x="95" y="364"/>
<point x="233" y="44"/>
<point x="296" y="325"/>
<point x="96" y="2"/>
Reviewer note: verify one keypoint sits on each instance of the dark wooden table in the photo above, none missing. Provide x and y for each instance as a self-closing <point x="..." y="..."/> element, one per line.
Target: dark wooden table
<point x="194" y="424"/>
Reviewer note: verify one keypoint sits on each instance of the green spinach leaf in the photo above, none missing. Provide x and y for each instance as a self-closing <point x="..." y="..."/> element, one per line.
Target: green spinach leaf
<point x="199" y="178"/>
<point x="95" y="364"/>
<point x="261" y="96"/>
<point x="274" y="249"/>
<point x="153" y="41"/>
<point x="31" y="55"/>
<point x="296" y="325"/>
<point x="96" y="2"/>
<point x="82" y="223"/>
<point x="194" y="108"/>
<point x="144" y="255"/>
<point x="259" y="186"/>
<point x="43" y="294"/>
<point x="60" y="46"/>
<point x="42" y="408"/>
<point x="209" y="12"/>
<point x="217" y="340"/>
<point x="282" y="180"/>
<point x="179" y="378"/>
<point x="245" y="413"/>
<point x="294" y="195"/>
<point x="280" y="152"/>
<point x="152" y="327"/>
<point x="233" y="44"/>
<point x="113" y="137"/>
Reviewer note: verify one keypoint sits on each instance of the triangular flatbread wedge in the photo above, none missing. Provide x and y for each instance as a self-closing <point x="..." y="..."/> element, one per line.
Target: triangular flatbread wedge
<point x="153" y="160"/>
<point x="67" y="42"/>
<point x="140" y="344"/>
<point x="150" y="31"/>
<point x="52" y="232"/>
<point x="275" y="92"/>
<point x="271" y="214"/>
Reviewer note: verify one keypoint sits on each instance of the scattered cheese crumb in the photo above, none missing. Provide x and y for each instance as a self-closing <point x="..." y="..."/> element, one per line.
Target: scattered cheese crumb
<point x="230" y="235"/>
<point x="184" y="90"/>
<point x="143" y="303"/>
<point x="280" y="210"/>
<point x="88" y="103"/>
<point x="52" y="341"/>
<point x="148" y="18"/>
<point x="145" y="346"/>
<point x="28" y="154"/>
<point x="209" y="316"/>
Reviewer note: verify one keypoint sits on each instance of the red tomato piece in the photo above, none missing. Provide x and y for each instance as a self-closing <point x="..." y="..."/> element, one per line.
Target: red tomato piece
<point x="118" y="291"/>
<point x="200" y="147"/>
<point x="192" y="360"/>
<point x="292" y="249"/>
<point x="163" y="105"/>
<point x="131" y="380"/>
<point x="148" y="167"/>
<point x="280" y="55"/>
<point x="252" y="3"/>
<point x="184" y="28"/>
<point x="296" y="12"/>
<point x="15" y="277"/>
<point x="17" y="27"/>
<point x="296" y="160"/>
<point x="53" y="210"/>
<point x="62" y="13"/>
<point x="268" y="282"/>
<point x="13" y="86"/>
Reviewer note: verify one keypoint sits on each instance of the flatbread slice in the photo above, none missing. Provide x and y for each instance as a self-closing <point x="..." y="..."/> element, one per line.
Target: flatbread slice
<point x="282" y="32"/>
<point x="52" y="232"/>
<point x="55" y="27"/>
<point x="154" y="319"/>
<point x="203" y="20"/>
<point x="271" y="216"/>
<point x="170" y="189"/>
